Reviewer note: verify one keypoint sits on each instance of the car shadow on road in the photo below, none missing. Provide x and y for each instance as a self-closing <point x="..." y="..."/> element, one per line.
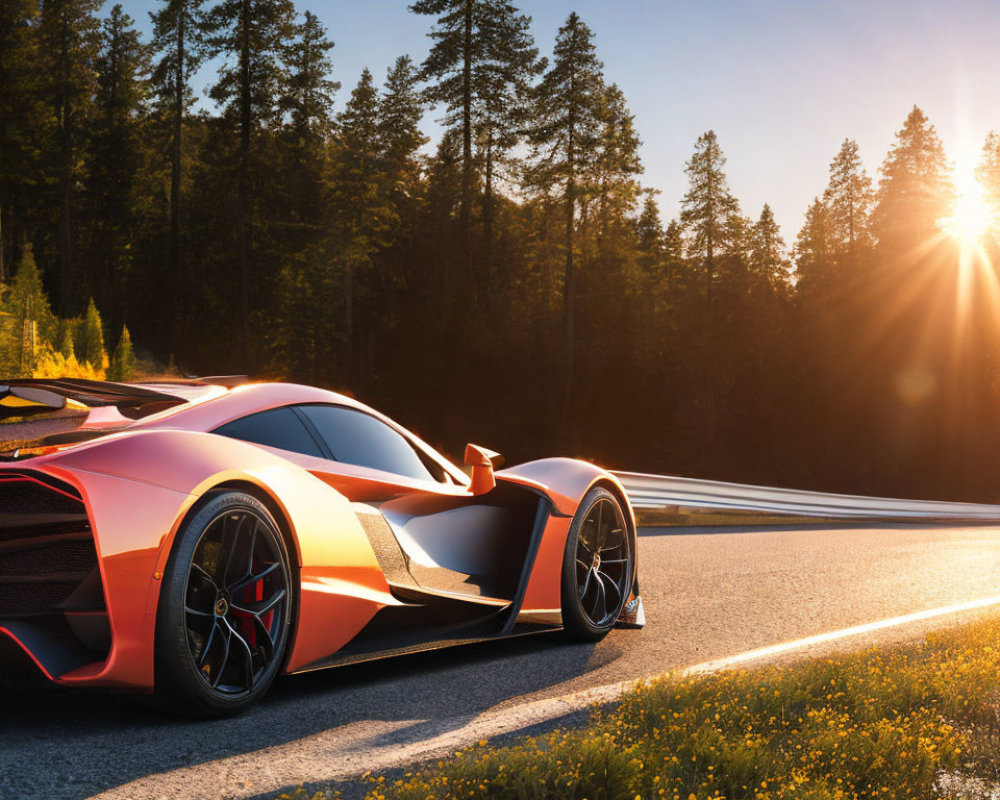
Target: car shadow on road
<point x="73" y="745"/>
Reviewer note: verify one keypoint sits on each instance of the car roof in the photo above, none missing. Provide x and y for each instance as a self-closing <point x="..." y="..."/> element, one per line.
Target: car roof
<point x="208" y="407"/>
<point x="209" y="411"/>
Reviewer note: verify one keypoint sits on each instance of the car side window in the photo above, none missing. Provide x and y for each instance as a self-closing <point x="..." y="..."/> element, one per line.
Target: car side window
<point x="355" y="437"/>
<point x="277" y="427"/>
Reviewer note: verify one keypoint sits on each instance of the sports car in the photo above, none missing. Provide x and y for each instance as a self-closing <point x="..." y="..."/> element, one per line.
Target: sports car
<point x="194" y="539"/>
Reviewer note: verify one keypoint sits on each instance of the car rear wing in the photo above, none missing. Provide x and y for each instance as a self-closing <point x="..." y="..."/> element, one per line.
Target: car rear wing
<point x="29" y="396"/>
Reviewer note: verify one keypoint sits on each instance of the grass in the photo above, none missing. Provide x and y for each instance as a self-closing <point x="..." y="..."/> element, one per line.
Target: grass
<point x="881" y="723"/>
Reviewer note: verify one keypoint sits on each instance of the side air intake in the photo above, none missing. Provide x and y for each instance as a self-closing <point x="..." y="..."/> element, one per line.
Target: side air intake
<point x="51" y="597"/>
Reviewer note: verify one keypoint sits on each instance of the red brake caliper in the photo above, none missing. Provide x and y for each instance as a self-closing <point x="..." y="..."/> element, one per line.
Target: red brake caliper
<point x="254" y="593"/>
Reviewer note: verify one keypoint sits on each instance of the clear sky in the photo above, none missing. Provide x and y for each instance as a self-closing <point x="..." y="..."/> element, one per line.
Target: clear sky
<point x="782" y="82"/>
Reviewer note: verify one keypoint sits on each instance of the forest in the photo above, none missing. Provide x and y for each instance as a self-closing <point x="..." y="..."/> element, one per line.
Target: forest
<point x="513" y="283"/>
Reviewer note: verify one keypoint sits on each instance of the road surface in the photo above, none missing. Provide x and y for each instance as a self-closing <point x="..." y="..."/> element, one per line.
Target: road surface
<point x="709" y="594"/>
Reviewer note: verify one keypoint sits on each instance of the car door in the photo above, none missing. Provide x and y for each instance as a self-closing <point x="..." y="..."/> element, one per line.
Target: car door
<point x="452" y="542"/>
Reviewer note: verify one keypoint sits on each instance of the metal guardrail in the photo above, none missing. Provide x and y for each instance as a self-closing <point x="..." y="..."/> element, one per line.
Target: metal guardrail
<point x="688" y="494"/>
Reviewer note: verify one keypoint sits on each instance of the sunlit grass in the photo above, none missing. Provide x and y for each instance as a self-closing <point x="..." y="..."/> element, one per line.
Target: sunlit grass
<point x="879" y="723"/>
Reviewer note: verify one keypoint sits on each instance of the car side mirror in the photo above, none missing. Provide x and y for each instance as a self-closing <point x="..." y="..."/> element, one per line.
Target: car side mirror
<point x="483" y="462"/>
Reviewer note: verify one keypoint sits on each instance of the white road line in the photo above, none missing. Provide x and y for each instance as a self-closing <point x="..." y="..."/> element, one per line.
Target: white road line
<point x="845" y="633"/>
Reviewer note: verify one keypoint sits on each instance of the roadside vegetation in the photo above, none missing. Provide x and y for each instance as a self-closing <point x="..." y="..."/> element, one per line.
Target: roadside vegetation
<point x="35" y="343"/>
<point x="914" y="721"/>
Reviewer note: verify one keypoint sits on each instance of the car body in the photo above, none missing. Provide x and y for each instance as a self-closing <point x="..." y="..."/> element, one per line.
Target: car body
<point x="390" y="549"/>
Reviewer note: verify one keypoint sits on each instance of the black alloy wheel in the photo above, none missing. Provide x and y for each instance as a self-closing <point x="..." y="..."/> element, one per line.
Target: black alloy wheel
<point x="226" y="607"/>
<point x="598" y="566"/>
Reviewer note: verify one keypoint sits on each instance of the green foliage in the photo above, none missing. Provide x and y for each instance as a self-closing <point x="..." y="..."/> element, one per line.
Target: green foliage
<point x="708" y="206"/>
<point x="815" y="250"/>
<point x="123" y="361"/>
<point x="116" y="155"/>
<point x="480" y="67"/>
<point x="50" y="353"/>
<point x="179" y="43"/>
<point x="26" y="298"/>
<point x="92" y="338"/>
<point x="568" y="114"/>
<point x="768" y="255"/>
<point x="66" y="349"/>
<point x="309" y="91"/>
<point x="250" y="37"/>
<point x="399" y="113"/>
<point x="68" y="37"/>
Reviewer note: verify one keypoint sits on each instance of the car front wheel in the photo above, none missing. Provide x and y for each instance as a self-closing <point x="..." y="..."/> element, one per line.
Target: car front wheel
<point x="598" y="566"/>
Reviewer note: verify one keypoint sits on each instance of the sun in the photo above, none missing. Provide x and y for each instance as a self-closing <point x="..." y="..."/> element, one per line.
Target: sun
<point x="972" y="214"/>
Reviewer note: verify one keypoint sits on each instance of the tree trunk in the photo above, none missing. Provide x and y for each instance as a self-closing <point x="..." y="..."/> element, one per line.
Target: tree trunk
<point x="568" y="283"/>
<point x="173" y="247"/>
<point x="65" y="115"/>
<point x="466" y="221"/>
<point x="488" y="221"/>
<point x="568" y="280"/>
<point x="348" y="352"/>
<point x="243" y="231"/>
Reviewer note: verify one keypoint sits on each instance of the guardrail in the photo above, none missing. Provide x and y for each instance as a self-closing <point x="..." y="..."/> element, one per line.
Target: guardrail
<point x="687" y="495"/>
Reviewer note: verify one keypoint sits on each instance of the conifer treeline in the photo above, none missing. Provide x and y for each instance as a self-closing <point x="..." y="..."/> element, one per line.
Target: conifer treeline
<point x="517" y="286"/>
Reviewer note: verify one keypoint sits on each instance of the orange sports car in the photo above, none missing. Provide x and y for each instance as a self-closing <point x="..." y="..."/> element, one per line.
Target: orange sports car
<point x="197" y="538"/>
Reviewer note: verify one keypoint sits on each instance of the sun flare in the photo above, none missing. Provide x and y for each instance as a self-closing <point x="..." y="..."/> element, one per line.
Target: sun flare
<point x="972" y="213"/>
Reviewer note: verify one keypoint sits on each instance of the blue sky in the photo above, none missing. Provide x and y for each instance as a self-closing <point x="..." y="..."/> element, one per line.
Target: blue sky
<point x="781" y="82"/>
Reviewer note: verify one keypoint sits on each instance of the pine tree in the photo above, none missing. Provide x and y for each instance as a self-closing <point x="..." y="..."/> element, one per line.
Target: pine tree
<point x="123" y="360"/>
<point x="400" y="110"/>
<point x="617" y="165"/>
<point x="251" y="38"/>
<point x="768" y="254"/>
<point x="24" y="122"/>
<point x="482" y="61"/>
<point x="116" y="154"/>
<point x="93" y="338"/>
<point x="815" y="249"/>
<point x="673" y="254"/>
<point x="309" y="90"/>
<point x="178" y="40"/>
<point x="915" y="191"/>
<point x="26" y="300"/>
<point x="66" y="349"/>
<point x="362" y="217"/>
<point x="650" y="236"/>
<point x="307" y="103"/>
<point x="68" y="37"/>
<point x="849" y="198"/>
<point x="734" y="262"/>
<point x="27" y="308"/>
<point x="707" y="207"/>
<point x="565" y="134"/>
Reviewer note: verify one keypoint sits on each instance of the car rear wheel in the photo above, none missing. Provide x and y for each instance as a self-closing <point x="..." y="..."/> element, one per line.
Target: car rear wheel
<point x="598" y="566"/>
<point x="225" y="607"/>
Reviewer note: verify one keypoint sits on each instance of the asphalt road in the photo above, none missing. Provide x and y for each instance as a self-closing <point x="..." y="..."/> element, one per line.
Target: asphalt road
<point x="708" y="595"/>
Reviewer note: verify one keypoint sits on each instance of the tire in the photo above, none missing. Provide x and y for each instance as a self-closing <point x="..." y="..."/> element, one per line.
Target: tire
<point x="595" y="587"/>
<point x="226" y="608"/>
